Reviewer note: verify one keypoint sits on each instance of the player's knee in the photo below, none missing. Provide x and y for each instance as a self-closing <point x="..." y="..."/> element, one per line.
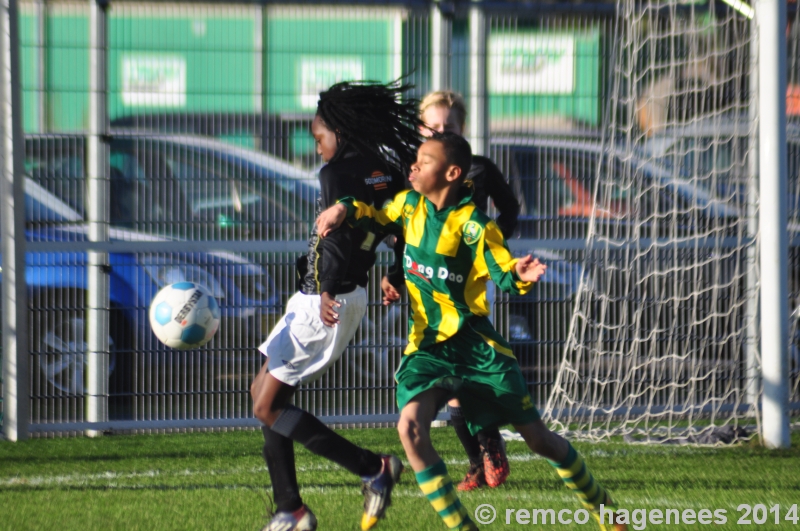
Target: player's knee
<point x="410" y="430"/>
<point x="263" y="412"/>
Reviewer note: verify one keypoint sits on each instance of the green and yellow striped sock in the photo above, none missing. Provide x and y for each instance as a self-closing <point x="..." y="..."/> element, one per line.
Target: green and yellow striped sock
<point x="577" y="477"/>
<point x="437" y="486"/>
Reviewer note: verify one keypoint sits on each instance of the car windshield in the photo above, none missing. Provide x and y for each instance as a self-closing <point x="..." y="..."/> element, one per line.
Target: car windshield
<point x="181" y="190"/>
<point x="239" y="198"/>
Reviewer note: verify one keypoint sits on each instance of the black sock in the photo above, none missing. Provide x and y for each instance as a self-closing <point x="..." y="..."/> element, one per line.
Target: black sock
<point x="468" y="441"/>
<point x="308" y="430"/>
<point x="279" y="454"/>
<point x="489" y="434"/>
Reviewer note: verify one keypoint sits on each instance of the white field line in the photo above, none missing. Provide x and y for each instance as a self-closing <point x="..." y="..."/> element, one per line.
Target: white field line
<point x="110" y="476"/>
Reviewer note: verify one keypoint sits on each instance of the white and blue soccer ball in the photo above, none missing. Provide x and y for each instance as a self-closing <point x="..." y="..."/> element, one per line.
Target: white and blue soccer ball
<point x="184" y="315"/>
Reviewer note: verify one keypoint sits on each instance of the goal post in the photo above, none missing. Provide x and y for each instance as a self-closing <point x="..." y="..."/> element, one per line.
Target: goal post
<point x="664" y="342"/>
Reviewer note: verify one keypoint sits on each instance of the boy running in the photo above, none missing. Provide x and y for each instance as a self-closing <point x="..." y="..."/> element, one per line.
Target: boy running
<point x="367" y="136"/>
<point x="444" y="111"/>
<point x="452" y="250"/>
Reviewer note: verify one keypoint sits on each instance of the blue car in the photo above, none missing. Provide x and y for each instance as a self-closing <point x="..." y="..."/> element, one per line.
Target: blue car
<point x="57" y="284"/>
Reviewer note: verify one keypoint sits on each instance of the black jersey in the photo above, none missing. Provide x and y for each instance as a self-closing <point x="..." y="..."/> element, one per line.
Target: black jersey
<point x="488" y="181"/>
<point x="342" y="260"/>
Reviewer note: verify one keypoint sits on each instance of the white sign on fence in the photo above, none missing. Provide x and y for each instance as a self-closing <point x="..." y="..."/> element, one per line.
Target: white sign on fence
<point x="153" y="80"/>
<point x="319" y="73"/>
<point x="531" y="63"/>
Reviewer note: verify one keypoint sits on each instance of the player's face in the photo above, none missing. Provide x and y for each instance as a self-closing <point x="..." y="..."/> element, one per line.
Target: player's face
<point x="324" y="138"/>
<point x="428" y="172"/>
<point x="440" y="118"/>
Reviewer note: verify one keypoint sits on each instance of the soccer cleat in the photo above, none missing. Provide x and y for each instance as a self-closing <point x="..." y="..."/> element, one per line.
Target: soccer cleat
<point x="604" y="524"/>
<point x="495" y="463"/>
<point x="378" y="491"/>
<point x="474" y="479"/>
<point x="300" y="520"/>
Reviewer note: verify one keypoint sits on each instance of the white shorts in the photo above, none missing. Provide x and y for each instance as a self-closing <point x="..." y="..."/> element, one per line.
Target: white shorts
<point x="301" y="347"/>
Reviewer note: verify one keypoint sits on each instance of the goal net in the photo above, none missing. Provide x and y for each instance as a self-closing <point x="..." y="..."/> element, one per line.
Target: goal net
<point x="663" y="339"/>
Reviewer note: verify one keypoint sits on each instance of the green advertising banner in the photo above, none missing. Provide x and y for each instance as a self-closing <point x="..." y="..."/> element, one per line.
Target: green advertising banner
<point x="161" y="57"/>
<point x="310" y="48"/>
<point x="184" y="59"/>
<point x="544" y="74"/>
<point x="246" y="58"/>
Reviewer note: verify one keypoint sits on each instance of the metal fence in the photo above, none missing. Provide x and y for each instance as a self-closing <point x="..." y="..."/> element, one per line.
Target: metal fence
<point x="168" y="141"/>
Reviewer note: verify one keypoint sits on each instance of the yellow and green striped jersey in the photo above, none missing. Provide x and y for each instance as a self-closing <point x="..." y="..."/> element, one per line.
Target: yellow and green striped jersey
<point x="450" y="255"/>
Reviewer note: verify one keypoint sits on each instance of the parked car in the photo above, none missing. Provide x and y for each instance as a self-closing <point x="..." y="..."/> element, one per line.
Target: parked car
<point x="718" y="150"/>
<point x="276" y="134"/>
<point x="184" y="187"/>
<point x="57" y="284"/>
<point x="555" y="180"/>
<point x="195" y="188"/>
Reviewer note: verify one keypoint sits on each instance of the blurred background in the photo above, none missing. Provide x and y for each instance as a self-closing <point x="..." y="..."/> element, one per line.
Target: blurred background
<point x="169" y="141"/>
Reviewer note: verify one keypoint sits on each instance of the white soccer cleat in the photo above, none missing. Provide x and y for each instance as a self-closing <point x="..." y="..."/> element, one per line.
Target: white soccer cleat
<point x="378" y="491"/>
<point x="300" y="520"/>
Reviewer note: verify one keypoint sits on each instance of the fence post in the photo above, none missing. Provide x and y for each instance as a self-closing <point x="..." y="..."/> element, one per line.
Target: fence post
<point x="771" y="20"/>
<point x="441" y="44"/>
<point x="97" y="185"/>
<point x="16" y="357"/>
<point x="478" y="123"/>
<point x="478" y="104"/>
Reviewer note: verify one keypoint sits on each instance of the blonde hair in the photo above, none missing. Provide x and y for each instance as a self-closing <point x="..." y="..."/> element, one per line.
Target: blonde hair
<point x="445" y="98"/>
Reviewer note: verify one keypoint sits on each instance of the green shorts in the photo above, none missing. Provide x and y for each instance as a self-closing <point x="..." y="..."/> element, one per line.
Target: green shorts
<point x="478" y="367"/>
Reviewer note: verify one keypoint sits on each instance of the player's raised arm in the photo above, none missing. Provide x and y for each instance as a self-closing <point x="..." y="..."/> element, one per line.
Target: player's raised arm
<point x="503" y="267"/>
<point x="530" y="269"/>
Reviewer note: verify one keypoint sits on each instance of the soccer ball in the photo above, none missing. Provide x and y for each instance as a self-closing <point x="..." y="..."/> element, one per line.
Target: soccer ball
<point x="184" y="315"/>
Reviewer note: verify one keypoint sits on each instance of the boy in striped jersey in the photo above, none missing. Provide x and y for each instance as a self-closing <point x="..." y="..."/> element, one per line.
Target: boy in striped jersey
<point x="452" y="250"/>
<point x="444" y="110"/>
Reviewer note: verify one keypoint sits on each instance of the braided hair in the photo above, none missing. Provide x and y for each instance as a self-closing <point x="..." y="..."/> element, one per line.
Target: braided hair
<point x="372" y="118"/>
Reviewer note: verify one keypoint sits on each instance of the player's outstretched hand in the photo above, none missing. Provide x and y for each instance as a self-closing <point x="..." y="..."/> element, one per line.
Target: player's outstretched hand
<point x="331" y="219"/>
<point x="327" y="310"/>
<point x="390" y="293"/>
<point x="530" y="269"/>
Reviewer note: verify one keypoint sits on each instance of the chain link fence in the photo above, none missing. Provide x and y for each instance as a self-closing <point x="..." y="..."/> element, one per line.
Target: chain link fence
<point x="169" y="141"/>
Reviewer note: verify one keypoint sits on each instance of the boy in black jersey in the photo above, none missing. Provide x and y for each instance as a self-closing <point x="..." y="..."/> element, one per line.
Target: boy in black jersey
<point x="442" y="111"/>
<point x="452" y="250"/>
<point x="368" y="138"/>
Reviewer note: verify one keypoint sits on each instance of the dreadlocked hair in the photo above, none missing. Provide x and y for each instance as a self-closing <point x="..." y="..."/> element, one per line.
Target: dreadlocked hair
<point x="373" y="119"/>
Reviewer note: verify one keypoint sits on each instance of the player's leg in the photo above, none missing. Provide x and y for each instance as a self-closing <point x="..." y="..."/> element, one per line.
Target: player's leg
<point x="493" y="453"/>
<point x="278" y="453"/>
<point x="301" y="349"/>
<point x="488" y="464"/>
<point x="431" y="473"/>
<point x="475" y="477"/>
<point x="573" y="471"/>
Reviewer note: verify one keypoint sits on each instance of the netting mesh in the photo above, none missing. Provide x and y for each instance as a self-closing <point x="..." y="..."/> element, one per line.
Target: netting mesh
<point x="663" y="337"/>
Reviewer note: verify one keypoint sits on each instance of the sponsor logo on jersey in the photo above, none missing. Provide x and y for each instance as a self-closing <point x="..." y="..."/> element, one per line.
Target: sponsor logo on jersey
<point x="472" y="232"/>
<point x="426" y="272"/>
<point x="526" y="403"/>
<point x="378" y="180"/>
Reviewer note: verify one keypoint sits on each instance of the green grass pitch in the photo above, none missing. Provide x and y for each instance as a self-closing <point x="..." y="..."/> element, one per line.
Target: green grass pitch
<point x="219" y="481"/>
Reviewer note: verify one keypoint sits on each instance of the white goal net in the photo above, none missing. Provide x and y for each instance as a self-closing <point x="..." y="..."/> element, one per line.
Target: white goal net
<point x="663" y="340"/>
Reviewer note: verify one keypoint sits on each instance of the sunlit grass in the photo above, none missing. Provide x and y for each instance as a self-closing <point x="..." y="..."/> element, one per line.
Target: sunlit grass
<point x="218" y="481"/>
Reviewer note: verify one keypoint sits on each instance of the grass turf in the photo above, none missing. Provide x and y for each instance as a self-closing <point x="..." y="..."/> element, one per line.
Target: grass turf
<point x="218" y="481"/>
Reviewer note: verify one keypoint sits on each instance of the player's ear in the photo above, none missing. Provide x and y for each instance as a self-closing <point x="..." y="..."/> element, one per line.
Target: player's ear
<point x="453" y="173"/>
